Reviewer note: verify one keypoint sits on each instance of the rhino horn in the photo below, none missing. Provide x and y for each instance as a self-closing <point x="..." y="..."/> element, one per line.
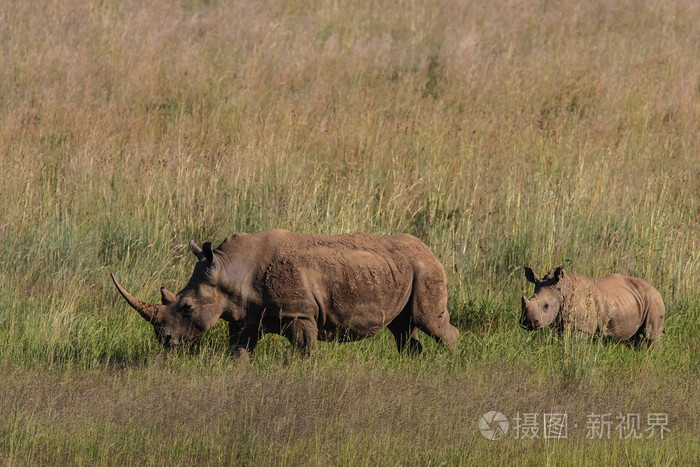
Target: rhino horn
<point x="524" y="302"/>
<point x="148" y="311"/>
<point x="167" y="297"/>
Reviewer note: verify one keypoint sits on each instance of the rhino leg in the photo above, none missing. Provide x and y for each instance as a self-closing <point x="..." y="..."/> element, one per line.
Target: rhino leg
<point x="408" y="342"/>
<point x="405" y="334"/>
<point x="303" y="334"/>
<point x="242" y="339"/>
<point x="655" y="319"/>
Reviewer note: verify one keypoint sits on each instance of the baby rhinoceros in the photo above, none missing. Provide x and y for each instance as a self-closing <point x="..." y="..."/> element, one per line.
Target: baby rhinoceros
<point x="307" y="288"/>
<point x="616" y="306"/>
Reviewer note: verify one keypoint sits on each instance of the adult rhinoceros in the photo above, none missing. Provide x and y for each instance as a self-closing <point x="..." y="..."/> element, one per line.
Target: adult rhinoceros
<point x="617" y="306"/>
<point x="307" y="288"/>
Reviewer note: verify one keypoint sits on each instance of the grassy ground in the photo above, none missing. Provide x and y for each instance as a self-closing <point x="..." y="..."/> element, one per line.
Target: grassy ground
<point x="535" y="133"/>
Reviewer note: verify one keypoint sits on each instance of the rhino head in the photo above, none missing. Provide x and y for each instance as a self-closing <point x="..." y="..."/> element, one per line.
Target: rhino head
<point x="544" y="306"/>
<point x="189" y="314"/>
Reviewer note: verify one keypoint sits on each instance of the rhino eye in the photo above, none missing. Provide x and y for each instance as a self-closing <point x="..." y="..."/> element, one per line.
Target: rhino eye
<point x="186" y="309"/>
<point x="546" y="306"/>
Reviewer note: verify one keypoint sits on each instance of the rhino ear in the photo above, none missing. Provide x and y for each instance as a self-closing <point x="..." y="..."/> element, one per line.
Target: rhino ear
<point x="531" y="276"/>
<point x="558" y="273"/>
<point x="208" y="254"/>
<point x="167" y="297"/>
<point x="196" y="250"/>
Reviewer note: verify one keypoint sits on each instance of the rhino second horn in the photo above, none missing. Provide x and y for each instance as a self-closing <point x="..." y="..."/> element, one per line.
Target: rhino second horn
<point x="148" y="311"/>
<point x="167" y="297"/>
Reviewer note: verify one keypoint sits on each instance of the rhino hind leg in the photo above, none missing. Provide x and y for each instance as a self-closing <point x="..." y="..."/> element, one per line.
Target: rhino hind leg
<point x="653" y="326"/>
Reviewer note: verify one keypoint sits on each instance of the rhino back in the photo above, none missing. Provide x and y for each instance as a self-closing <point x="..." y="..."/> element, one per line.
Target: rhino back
<point x="625" y="303"/>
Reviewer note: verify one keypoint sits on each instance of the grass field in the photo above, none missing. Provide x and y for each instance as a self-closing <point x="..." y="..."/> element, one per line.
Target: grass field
<point x="530" y="133"/>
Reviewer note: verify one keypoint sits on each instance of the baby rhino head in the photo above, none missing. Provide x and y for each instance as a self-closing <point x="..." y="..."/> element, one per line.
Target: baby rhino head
<point x="544" y="306"/>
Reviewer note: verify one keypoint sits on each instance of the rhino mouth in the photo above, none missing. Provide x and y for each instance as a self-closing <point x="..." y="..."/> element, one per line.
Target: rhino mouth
<point x="171" y="341"/>
<point x="526" y="320"/>
<point x="530" y="325"/>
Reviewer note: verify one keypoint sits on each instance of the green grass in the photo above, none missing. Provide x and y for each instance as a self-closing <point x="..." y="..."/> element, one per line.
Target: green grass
<point x="529" y="134"/>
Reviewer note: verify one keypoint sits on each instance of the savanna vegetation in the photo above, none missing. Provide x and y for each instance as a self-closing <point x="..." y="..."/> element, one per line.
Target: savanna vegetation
<point x="518" y="133"/>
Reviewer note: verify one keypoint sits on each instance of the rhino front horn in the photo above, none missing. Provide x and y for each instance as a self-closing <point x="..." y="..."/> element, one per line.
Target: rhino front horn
<point x="524" y="302"/>
<point x="148" y="311"/>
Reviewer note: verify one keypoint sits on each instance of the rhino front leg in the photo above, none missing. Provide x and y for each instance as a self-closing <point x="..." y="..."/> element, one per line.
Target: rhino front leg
<point x="405" y="334"/>
<point x="408" y="342"/>
<point x="302" y="333"/>
<point x="242" y="339"/>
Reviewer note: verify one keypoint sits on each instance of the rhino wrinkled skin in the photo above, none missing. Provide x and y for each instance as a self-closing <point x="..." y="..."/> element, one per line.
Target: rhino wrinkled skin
<point x="616" y="306"/>
<point x="307" y="288"/>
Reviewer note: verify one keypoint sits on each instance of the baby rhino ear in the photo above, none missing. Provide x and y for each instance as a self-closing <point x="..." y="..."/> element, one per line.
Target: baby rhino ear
<point x="531" y="276"/>
<point x="558" y="273"/>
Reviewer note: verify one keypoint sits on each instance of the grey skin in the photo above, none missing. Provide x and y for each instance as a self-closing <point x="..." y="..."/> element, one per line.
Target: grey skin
<point x="617" y="306"/>
<point x="307" y="288"/>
